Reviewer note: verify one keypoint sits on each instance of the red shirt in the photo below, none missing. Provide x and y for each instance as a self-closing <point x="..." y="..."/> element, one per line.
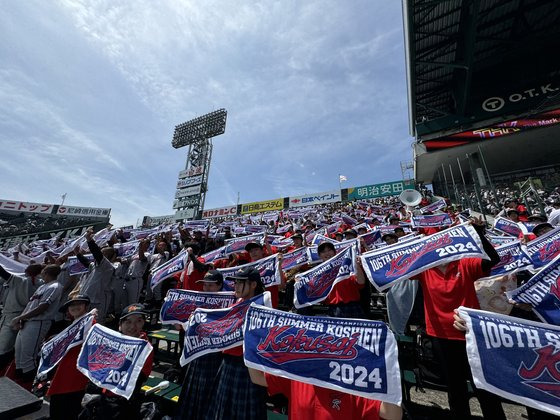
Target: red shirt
<point x="220" y="263"/>
<point x="522" y="213"/>
<point x="443" y="292"/>
<point x="67" y="377"/>
<point x="292" y="248"/>
<point x="189" y="281"/>
<point x="307" y="401"/>
<point x="235" y="351"/>
<point x="429" y="230"/>
<point x="344" y="292"/>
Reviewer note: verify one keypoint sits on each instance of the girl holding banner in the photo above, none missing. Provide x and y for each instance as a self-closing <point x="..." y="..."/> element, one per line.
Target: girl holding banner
<point x="236" y="397"/>
<point x="344" y="299"/>
<point x="196" y="394"/>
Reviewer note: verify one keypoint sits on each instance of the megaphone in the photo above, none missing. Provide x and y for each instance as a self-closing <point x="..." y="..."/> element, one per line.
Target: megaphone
<point x="410" y="198"/>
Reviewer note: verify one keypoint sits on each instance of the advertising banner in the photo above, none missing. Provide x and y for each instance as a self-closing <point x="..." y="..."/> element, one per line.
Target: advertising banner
<point x="192" y="171"/>
<point x="379" y="190"/>
<point x="83" y="211"/>
<point x="149" y="221"/>
<point x="187" y="182"/>
<point x="185" y="214"/>
<point x="317" y="198"/>
<point x="219" y="212"/>
<point x="185" y="192"/>
<point x="186" y="202"/>
<point x="25" y="207"/>
<point x="262" y="206"/>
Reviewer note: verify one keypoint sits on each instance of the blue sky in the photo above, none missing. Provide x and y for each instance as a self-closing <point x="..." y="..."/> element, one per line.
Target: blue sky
<point x="90" y="93"/>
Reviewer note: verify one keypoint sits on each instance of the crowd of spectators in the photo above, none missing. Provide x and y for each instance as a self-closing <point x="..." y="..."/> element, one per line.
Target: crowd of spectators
<point x="111" y="282"/>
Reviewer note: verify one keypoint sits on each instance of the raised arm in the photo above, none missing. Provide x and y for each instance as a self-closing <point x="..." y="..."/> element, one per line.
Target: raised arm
<point x="196" y="263"/>
<point x="142" y="248"/>
<point x="267" y="245"/>
<point x="83" y="260"/>
<point x="360" y="274"/>
<point x="480" y="228"/>
<point x="93" y="247"/>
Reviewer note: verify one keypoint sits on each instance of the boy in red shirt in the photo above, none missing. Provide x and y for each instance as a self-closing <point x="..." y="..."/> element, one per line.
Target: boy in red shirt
<point x="307" y="401"/>
<point x="236" y="397"/>
<point x="446" y="287"/>
<point x="69" y="384"/>
<point x="111" y="406"/>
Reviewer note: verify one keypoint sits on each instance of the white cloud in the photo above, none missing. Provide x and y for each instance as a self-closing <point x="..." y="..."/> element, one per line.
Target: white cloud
<point x="92" y="94"/>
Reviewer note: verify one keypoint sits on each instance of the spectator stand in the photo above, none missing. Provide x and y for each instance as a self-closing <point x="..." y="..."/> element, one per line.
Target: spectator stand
<point x="166" y="345"/>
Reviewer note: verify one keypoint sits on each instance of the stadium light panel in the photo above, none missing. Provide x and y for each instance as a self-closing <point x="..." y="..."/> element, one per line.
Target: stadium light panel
<point x="207" y="126"/>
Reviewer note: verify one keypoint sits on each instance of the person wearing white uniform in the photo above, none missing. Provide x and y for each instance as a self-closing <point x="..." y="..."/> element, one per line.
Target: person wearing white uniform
<point x="96" y="283"/>
<point x="18" y="290"/>
<point x="155" y="261"/>
<point x="554" y="216"/>
<point x="35" y="321"/>
<point x="135" y="274"/>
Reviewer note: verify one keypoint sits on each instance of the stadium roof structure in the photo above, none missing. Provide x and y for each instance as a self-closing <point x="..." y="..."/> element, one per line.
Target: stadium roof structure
<point x="474" y="64"/>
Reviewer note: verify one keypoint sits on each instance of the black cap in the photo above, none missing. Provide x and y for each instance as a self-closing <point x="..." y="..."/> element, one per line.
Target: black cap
<point x="297" y="236"/>
<point x="541" y="226"/>
<point x="512" y="211"/>
<point x="538" y="218"/>
<point x="212" y="276"/>
<point x="247" y="274"/>
<point x="252" y="245"/>
<point x="351" y="232"/>
<point x="324" y="245"/>
<point x="76" y="299"/>
<point x="134" y="309"/>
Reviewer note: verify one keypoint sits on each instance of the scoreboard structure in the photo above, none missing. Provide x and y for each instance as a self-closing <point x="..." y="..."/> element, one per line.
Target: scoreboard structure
<point x="192" y="183"/>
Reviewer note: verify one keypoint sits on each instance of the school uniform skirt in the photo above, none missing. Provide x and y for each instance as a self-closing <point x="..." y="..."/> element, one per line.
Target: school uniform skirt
<point x="196" y="398"/>
<point x="235" y="396"/>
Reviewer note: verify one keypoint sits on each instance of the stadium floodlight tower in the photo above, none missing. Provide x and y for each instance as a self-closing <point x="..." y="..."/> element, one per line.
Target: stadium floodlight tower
<point x="193" y="180"/>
